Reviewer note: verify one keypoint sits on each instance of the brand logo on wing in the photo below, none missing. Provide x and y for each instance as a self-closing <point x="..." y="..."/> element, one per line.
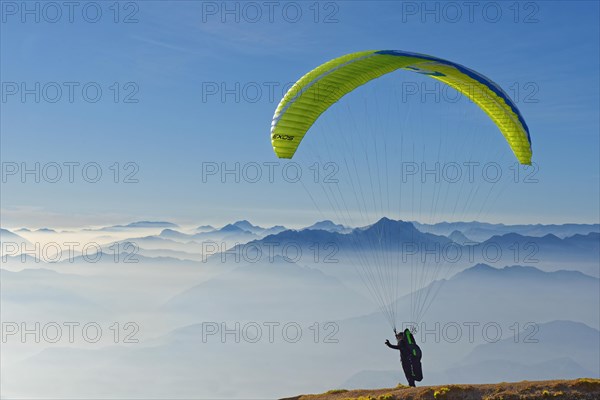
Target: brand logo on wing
<point x="282" y="137"/>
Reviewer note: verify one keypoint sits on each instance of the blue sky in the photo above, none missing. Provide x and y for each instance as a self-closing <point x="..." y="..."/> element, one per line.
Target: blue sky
<point x="175" y="59"/>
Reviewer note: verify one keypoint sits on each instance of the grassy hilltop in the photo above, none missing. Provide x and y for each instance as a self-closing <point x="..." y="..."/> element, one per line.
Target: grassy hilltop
<point x="578" y="389"/>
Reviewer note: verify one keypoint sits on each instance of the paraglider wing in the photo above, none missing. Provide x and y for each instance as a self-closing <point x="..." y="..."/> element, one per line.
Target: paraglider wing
<point x="316" y="91"/>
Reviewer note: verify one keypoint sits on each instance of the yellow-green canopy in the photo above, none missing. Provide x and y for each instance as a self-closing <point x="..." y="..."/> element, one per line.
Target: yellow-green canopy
<point x="316" y="91"/>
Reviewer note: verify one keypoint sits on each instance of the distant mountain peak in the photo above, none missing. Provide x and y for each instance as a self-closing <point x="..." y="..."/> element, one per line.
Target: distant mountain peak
<point x="481" y="267"/>
<point x="483" y="270"/>
<point x="245" y="225"/>
<point x="7" y="235"/>
<point x="458" y="237"/>
<point x="387" y="223"/>
<point x="243" y="222"/>
<point x="205" y="228"/>
<point x="327" y="225"/>
<point x="518" y="271"/>
<point x="233" y="228"/>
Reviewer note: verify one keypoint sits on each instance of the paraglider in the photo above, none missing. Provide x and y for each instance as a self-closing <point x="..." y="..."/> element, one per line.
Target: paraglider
<point x="410" y="355"/>
<point x="315" y="92"/>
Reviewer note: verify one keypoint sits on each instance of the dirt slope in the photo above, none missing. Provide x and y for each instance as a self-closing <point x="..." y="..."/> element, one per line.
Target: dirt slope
<point x="578" y="389"/>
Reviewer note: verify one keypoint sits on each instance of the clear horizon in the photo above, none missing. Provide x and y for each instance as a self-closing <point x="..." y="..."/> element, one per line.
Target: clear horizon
<point x="188" y="226"/>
